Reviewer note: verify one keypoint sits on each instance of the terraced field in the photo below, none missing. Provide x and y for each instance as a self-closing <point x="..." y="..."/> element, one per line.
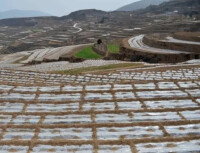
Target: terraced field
<point x="137" y="43"/>
<point x="124" y="111"/>
<point x="49" y="54"/>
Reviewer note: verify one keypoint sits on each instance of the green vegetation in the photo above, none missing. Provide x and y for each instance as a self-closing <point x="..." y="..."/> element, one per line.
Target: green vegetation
<point x="100" y="68"/>
<point x="113" y="48"/>
<point x="87" y="53"/>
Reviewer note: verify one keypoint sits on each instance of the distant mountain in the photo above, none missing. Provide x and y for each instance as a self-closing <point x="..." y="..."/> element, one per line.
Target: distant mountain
<point x="85" y="14"/>
<point x="186" y="7"/>
<point x="21" y="14"/>
<point x="140" y="5"/>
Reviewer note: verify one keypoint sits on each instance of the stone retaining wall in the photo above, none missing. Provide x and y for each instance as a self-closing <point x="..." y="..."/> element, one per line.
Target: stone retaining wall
<point x="115" y="56"/>
<point x="71" y="59"/>
<point x="100" y="49"/>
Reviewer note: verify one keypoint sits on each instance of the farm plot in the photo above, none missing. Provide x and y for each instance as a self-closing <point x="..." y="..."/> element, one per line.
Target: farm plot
<point x="137" y="43"/>
<point x="49" y="54"/>
<point x="100" y="113"/>
<point x="184" y="77"/>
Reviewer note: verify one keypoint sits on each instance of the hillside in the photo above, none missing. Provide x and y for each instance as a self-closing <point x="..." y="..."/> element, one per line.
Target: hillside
<point x="85" y="14"/>
<point x="186" y="7"/>
<point x="21" y="14"/>
<point x="140" y="5"/>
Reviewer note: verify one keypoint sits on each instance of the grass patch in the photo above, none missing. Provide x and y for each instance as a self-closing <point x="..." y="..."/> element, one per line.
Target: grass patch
<point x="113" y="48"/>
<point x="99" y="68"/>
<point x="87" y="53"/>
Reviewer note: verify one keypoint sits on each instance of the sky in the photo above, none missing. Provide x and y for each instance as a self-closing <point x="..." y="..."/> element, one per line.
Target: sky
<point x="62" y="7"/>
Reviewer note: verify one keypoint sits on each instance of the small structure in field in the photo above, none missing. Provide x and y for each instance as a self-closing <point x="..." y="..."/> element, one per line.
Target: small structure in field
<point x="100" y="47"/>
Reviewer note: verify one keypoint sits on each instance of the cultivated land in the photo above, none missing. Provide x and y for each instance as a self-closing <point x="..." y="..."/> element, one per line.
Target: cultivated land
<point x="114" y="48"/>
<point x="76" y="29"/>
<point x="137" y="43"/>
<point x="57" y="94"/>
<point x="125" y="110"/>
<point x="87" y="53"/>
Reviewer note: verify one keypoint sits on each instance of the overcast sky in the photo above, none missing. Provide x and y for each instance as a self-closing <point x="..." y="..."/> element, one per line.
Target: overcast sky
<point x="62" y="7"/>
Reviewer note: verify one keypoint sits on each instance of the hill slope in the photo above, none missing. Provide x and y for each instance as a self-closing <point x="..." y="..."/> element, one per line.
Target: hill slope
<point x="186" y="7"/>
<point x="21" y="14"/>
<point x="140" y="5"/>
<point x="85" y="14"/>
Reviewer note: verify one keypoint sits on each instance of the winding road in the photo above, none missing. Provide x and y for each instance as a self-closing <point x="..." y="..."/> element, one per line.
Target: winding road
<point x="78" y="28"/>
<point x="136" y="43"/>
